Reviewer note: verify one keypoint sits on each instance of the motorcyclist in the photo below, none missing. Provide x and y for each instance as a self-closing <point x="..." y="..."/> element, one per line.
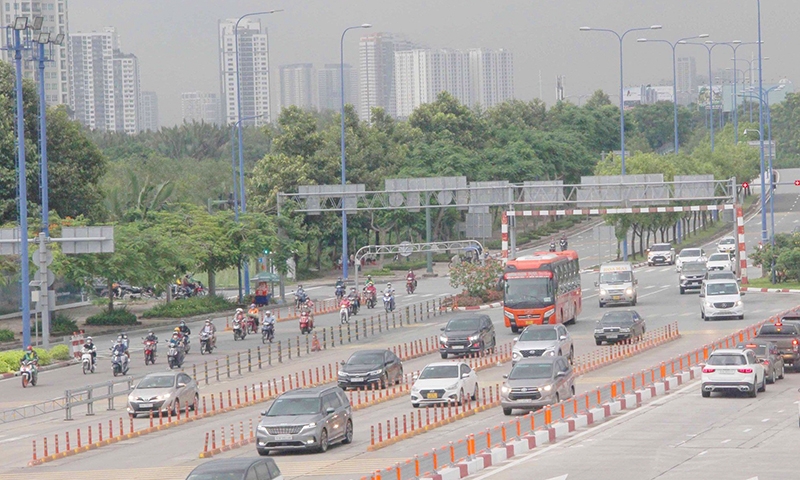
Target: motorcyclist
<point x="89" y="347"/>
<point x="552" y="246"/>
<point x="369" y="281"/>
<point x="211" y="330"/>
<point x="239" y="315"/>
<point x="563" y="242"/>
<point x="253" y="313"/>
<point x="307" y="306"/>
<point x="151" y="337"/>
<point x="122" y="338"/>
<point x="30" y="356"/>
<point x="354" y="299"/>
<point x="269" y="321"/>
<point x="389" y="292"/>
<point x="176" y="340"/>
<point x="184" y="329"/>
<point x="300" y="293"/>
<point x="120" y="348"/>
<point x="410" y="277"/>
<point x="340" y="287"/>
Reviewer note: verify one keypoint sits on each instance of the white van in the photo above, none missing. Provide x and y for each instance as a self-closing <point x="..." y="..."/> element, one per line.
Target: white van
<point x="617" y="284"/>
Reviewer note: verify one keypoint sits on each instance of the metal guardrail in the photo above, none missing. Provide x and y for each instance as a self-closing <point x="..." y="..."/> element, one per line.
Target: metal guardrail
<point x="87" y="395"/>
<point x="31" y="410"/>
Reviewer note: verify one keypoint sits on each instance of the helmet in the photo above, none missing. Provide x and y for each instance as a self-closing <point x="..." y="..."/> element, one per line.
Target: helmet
<point x="268" y="313"/>
<point x="30" y="348"/>
<point x="150" y="333"/>
<point x="238" y="310"/>
<point x="252" y="305"/>
<point x="177" y="330"/>
<point x="369" y="277"/>
<point x="183" y="323"/>
<point x="208" y="321"/>
<point x="89" y="339"/>
<point x="389" y="284"/>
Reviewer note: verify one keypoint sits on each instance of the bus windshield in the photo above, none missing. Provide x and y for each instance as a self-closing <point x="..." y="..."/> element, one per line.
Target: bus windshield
<point x="528" y="292"/>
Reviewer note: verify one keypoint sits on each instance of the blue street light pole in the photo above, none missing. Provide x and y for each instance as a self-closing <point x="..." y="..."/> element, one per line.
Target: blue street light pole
<point x="242" y="198"/>
<point x="673" y="46"/>
<point x="621" y="37"/>
<point x="750" y="80"/>
<point x="345" y="257"/>
<point x="761" y="129"/>
<point x="709" y="48"/>
<point x="735" y="46"/>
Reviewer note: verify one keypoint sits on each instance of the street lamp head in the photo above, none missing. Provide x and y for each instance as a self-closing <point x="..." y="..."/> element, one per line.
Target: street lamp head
<point x="366" y="25"/>
<point x="43" y="38"/>
<point x="59" y="39"/>
<point x="585" y="29"/>
<point x="709" y="42"/>
<point x="38" y="21"/>
<point x="736" y="42"/>
<point x="20" y="23"/>
<point x="641" y="40"/>
<point x="703" y="35"/>
<point x="655" y="27"/>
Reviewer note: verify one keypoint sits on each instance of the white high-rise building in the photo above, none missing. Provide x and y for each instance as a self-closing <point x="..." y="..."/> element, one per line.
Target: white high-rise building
<point x="127" y="93"/>
<point x="491" y="75"/>
<point x="92" y="77"/>
<point x="329" y="86"/>
<point x="686" y="70"/>
<point x="377" y="71"/>
<point x="200" y="107"/>
<point x="253" y="71"/>
<point x="56" y="20"/>
<point x="150" y="112"/>
<point x="297" y="85"/>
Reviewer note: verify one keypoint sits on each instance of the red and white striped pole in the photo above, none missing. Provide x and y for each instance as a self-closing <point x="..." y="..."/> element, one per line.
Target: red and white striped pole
<point x="742" y="246"/>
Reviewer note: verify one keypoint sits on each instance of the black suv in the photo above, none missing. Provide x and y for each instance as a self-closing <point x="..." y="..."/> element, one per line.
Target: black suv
<point x="468" y="333"/>
<point x="691" y="276"/>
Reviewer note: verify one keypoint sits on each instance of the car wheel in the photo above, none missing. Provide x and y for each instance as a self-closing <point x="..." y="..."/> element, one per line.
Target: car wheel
<point x="514" y="329"/>
<point x="507" y="411"/>
<point x="262" y="451"/>
<point x="415" y="405"/>
<point x="475" y="393"/>
<point x="572" y="391"/>
<point x="132" y="415"/>
<point x="558" y="398"/>
<point x="753" y="390"/>
<point x="571" y="355"/>
<point x="783" y="371"/>
<point x="461" y="398"/>
<point x="763" y="387"/>
<point x="176" y="407"/>
<point x="741" y="317"/>
<point x="399" y="378"/>
<point x="601" y="304"/>
<point x="682" y="290"/>
<point x="444" y="355"/>
<point x="348" y="433"/>
<point x="323" y="442"/>
<point x="705" y="394"/>
<point x="384" y="381"/>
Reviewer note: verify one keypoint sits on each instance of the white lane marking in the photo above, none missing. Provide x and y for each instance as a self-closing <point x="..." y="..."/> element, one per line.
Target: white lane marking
<point x="746" y="430"/>
<point x="652" y="293"/>
<point x="702" y="453"/>
<point x="781" y="411"/>
<point x="590" y="296"/>
<point x="650" y="286"/>
<point x="562" y="477"/>
<point x="765" y="420"/>
<point x="725" y="441"/>
<point x="13" y="439"/>
<point x="665" y="286"/>
<point x="686" y="314"/>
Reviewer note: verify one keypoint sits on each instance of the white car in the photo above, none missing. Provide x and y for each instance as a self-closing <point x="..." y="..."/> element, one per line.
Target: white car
<point x="733" y="370"/>
<point x="719" y="261"/>
<point x="726" y="245"/>
<point x="689" y="255"/>
<point x="721" y="298"/>
<point x="660" y="253"/>
<point x="444" y="382"/>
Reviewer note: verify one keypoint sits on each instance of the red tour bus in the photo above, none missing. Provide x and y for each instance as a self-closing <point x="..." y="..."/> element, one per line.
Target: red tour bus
<point x="543" y="288"/>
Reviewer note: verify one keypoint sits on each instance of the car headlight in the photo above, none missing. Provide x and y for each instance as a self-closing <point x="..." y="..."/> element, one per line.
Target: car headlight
<point x="262" y="429"/>
<point x="549" y="313"/>
<point x="163" y="397"/>
<point x="547" y="388"/>
<point x="375" y="372"/>
<point x="310" y="425"/>
<point x="508" y="314"/>
<point x="505" y="389"/>
<point x="443" y="339"/>
<point x="515" y="355"/>
<point x="474" y="338"/>
<point x="683" y="277"/>
<point x="738" y="303"/>
<point x="131" y="398"/>
<point x="629" y="291"/>
<point x="415" y="388"/>
<point x="709" y="304"/>
<point x="452" y="387"/>
<point x="550" y="353"/>
<point x="603" y="292"/>
<point x="341" y="373"/>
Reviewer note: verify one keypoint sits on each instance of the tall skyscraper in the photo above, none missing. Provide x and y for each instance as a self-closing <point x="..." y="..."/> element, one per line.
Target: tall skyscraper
<point x="150" y="112"/>
<point x="200" y="107"/>
<point x="127" y="93"/>
<point x="329" y="86"/>
<point x="297" y="85"/>
<point x="56" y="20"/>
<point x="377" y="71"/>
<point x="686" y="70"/>
<point x="253" y="71"/>
<point x="474" y="77"/>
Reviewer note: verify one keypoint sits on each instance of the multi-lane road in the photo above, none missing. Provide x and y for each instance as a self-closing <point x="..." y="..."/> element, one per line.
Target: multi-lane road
<point x="174" y="452"/>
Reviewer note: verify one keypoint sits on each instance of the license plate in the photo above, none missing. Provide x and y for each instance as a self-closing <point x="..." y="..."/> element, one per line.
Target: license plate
<point x="432" y="395"/>
<point x="726" y="372"/>
<point x="357" y="379"/>
<point x="616" y="297"/>
<point x="612" y="336"/>
<point x="283" y="438"/>
<point x="145" y="405"/>
<point x="725" y="312"/>
<point x="457" y="347"/>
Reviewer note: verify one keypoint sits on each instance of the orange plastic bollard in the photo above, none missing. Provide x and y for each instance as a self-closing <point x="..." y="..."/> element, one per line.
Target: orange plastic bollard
<point x="613" y="390"/>
<point x="121" y="427"/>
<point x="503" y="433"/>
<point x="78" y="434"/>
<point x="205" y="446"/>
<point x="57" y="450"/>
<point x="46" y="454"/>
<point x="435" y="460"/>
<point x="372" y="435"/>
<point x="230" y="402"/>
<point x="66" y="434"/>
<point x="90" y="434"/>
<point x="222" y="436"/>
<point x="663" y="371"/>
<point x="489" y="438"/>
<point x="34" y="450"/>
<point x="100" y="431"/>
<point x="110" y="428"/>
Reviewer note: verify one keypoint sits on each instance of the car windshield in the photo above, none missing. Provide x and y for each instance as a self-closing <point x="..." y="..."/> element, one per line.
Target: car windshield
<point x="439" y="371"/>
<point x="789" y="330"/>
<point x="727" y="241"/>
<point x="468" y="324"/>
<point x="531" y="371"/>
<point x="719" y="257"/>
<point x="690" y="253"/>
<point x="160" y="381"/>
<point x="617" y="319"/>
<point x="729" y="288"/>
<point x="661" y="248"/>
<point x="294" y="406"/>
<point x="537" y="334"/>
<point x="370" y="358"/>
<point x="615" y="277"/>
<point x="726" y="359"/>
<point x="229" y="475"/>
<point x="528" y="292"/>
<point x="720" y="275"/>
<point x="760" y="350"/>
<point x="694" y="267"/>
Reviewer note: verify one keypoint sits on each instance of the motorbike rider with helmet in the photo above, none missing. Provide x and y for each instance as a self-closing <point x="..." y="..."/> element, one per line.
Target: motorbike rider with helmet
<point x="369" y="281"/>
<point x="151" y="337"/>
<point x="389" y="291"/>
<point x="269" y="322"/>
<point x="253" y="313"/>
<point x="184" y="329"/>
<point x="211" y="330"/>
<point x="563" y="242"/>
<point x="89" y="347"/>
<point x="411" y="278"/>
<point x="30" y="356"/>
<point x="122" y="339"/>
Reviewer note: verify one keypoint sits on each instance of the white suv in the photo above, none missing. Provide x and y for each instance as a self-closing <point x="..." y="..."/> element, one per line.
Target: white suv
<point x="733" y="370"/>
<point x="689" y="255"/>
<point x="660" y="253"/>
<point x="721" y="298"/>
<point x="727" y="245"/>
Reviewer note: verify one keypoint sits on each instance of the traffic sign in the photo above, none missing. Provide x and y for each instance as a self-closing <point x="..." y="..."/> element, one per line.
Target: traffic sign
<point x="404" y="249"/>
<point x="51" y="277"/>
<point x="745" y="185"/>
<point x="44" y="257"/>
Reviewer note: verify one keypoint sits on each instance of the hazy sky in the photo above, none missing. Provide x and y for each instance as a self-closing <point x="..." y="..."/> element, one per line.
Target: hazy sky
<point x="176" y="40"/>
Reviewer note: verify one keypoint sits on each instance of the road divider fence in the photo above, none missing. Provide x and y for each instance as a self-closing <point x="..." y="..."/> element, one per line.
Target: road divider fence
<point x="620" y="351"/>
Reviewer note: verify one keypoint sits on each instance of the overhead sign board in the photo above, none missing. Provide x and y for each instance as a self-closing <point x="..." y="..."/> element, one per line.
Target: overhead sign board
<point x="79" y="240"/>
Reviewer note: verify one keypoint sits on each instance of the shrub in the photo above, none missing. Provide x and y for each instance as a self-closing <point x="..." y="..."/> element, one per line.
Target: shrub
<point x="5" y="368"/>
<point x="118" y="316"/>
<point x="6" y="335"/>
<point x="441" y="258"/>
<point x="44" y="356"/>
<point x="60" y="325"/>
<point x="60" y="353"/>
<point x="189" y="307"/>
<point x="403" y="265"/>
<point x="476" y="278"/>
<point x="11" y="357"/>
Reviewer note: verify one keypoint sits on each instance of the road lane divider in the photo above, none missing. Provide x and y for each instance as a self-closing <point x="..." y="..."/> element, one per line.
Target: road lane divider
<point x="480" y="450"/>
<point x="602" y="357"/>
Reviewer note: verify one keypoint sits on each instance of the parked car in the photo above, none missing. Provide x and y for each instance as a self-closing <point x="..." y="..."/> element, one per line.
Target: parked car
<point x="467" y="333"/>
<point x="237" y="469"/>
<point x="691" y="276"/>
<point x="619" y="325"/>
<point x="536" y="382"/>
<point x="787" y="337"/>
<point x="768" y="354"/>
<point x="306" y="419"/>
<point x="727" y="245"/>
<point x="719" y="261"/>
<point x="731" y="370"/>
<point x="689" y="255"/>
<point x="661" y="253"/>
<point x="444" y="382"/>
<point x="368" y="367"/>
<point x="163" y="392"/>
<point x="721" y="299"/>
<point x="543" y="341"/>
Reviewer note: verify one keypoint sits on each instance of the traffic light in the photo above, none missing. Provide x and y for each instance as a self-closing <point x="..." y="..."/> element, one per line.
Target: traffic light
<point x="797" y="183"/>
<point x="746" y="185"/>
<point x="266" y="251"/>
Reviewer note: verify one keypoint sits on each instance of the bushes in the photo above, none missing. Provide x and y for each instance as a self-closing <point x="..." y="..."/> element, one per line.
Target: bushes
<point x="44" y="356"/>
<point x="403" y="265"/>
<point x="60" y="353"/>
<point x="6" y="335"/>
<point x="118" y="316"/>
<point x="11" y="357"/>
<point x="61" y="325"/>
<point x="9" y="360"/>
<point x="4" y="367"/>
<point x="189" y="307"/>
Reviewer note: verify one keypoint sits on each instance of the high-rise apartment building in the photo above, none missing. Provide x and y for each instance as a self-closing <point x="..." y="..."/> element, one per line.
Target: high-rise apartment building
<point x="127" y="93"/>
<point x="329" y="86"/>
<point x="297" y="85"/>
<point x="200" y="107"/>
<point x="474" y="77"/>
<point x="686" y="70"/>
<point x="56" y="20"/>
<point x="377" y="71"/>
<point x="253" y="71"/>
<point x="150" y="112"/>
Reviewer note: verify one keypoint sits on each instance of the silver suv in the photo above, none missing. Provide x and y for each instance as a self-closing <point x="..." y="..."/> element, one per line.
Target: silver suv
<point x="306" y="419"/>
<point x="543" y="341"/>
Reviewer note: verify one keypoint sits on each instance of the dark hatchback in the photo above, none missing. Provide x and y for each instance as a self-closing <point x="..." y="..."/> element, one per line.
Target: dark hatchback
<point x="237" y="469"/>
<point x="469" y="333"/>
<point x="619" y="325"/>
<point x="369" y="367"/>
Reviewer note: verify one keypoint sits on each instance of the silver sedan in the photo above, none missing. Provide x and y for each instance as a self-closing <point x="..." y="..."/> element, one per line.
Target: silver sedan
<point x="163" y="392"/>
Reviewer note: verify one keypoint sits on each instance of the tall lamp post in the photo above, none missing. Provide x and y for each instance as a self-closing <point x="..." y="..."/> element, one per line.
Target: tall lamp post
<point x="242" y="200"/>
<point x="345" y="258"/>
<point x="708" y="45"/>
<point x="621" y="37"/>
<point x="734" y="45"/>
<point x="750" y="81"/>
<point x="673" y="46"/>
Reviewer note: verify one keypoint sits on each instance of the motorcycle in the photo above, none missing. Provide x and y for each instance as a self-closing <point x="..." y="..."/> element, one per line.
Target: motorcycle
<point x="563" y="244"/>
<point x="306" y="323"/>
<point x="205" y="343"/>
<point x="411" y="285"/>
<point x="388" y="302"/>
<point x="239" y="332"/>
<point x="150" y="347"/>
<point x="339" y="292"/>
<point x="252" y="324"/>
<point x="370" y="295"/>
<point x="354" y="307"/>
<point x="199" y="290"/>
<point x="267" y="332"/>
<point x="86" y="361"/>
<point x="119" y="363"/>
<point x="175" y="356"/>
<point x="29" y="373"/>
<point x="344" y="313"/>
<point x="552" y="246"/>
<point x="300" y="299"/>
<point x="186" y="345"/>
